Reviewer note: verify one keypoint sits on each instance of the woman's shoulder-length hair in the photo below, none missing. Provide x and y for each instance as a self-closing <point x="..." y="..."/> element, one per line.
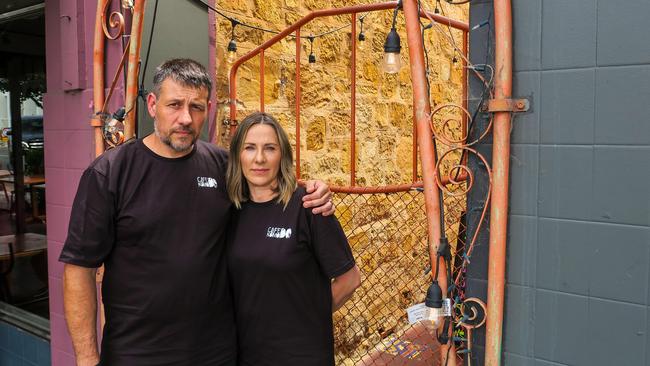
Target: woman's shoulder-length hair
<point x="235" y="180"/>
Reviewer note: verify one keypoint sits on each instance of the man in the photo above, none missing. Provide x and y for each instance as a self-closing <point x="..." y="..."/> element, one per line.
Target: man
<point x="155" y="212"/>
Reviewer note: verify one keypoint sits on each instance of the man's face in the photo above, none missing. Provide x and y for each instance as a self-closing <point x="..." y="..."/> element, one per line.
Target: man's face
<point x="179" y="113"/>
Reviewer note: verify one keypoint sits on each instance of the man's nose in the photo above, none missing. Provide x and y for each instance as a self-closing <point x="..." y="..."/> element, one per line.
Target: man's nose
<point x="185" y="116"/>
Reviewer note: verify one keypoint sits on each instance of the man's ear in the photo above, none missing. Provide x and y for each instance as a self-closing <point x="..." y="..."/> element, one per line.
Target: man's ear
<point x="209" y="105"/>
<point x="151" y="104"/>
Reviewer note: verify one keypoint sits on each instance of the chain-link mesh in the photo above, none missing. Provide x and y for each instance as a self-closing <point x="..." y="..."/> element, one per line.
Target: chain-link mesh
<point x="388" y="236"/>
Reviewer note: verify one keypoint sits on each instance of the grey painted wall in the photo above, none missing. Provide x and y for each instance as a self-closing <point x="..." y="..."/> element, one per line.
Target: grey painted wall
<point x="180" y="30"/>
<point x="579" y="226"/>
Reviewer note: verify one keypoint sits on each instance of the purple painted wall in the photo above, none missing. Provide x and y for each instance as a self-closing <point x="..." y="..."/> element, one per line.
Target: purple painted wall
<point x="69" y="146"/>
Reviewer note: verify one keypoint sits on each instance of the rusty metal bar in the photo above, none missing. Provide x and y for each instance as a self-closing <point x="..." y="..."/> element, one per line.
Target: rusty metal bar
<point x="500" y="172"/>
<point x="396" y="187"/>
<point x="98" y="79"/>
<point x="465" y="120"/>
<point x="422" y="111"/>
<point x="262" y="81"/>
<point x="353" y="103"/>
<point x="373" y="190"/>
<point x="132" y="73"/>
<point x="415" y="151"/>
<point x="298" y="96"/>
<point x="456" y="24"/>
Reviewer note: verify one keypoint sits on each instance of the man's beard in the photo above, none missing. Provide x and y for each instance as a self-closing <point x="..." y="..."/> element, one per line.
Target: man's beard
<point x="176" y="146"/>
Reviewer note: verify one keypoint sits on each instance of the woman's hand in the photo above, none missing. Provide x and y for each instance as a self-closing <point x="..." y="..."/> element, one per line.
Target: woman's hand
<point x="319" y="197"/>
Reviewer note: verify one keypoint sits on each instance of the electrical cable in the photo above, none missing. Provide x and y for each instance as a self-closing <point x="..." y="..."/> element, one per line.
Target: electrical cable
<point x="266" y="30"/>
<point x="146" y="58"/>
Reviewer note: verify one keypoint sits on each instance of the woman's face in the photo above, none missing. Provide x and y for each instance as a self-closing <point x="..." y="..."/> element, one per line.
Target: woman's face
<point x="260" y="157"/>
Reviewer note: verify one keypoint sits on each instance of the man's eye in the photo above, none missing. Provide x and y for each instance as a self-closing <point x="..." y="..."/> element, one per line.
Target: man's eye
<point x="198" y="108"/>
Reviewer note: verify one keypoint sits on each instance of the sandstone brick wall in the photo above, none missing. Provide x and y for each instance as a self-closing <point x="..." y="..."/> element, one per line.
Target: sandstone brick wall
<point x="384" y="102"/>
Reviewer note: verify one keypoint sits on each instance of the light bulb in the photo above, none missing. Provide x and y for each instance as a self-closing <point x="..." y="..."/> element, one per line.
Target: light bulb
<point x="392" y="63"/>
<point x="232" y="51"/>
<point x="433" y="319"/>
<point x="232" y="56"/>
<point x="434" y="314"/>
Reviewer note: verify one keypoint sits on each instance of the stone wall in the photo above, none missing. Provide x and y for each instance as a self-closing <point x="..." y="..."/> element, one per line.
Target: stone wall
<point x="384" y="102"/>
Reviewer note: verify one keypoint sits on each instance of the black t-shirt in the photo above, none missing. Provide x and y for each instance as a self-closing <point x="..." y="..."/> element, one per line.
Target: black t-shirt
<point x="158" y="225"/>
<point x="281" y="264"/>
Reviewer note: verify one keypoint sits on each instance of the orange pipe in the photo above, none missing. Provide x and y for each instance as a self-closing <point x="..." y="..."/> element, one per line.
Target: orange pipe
<point x="395" y="187"/>
<point x="298" y="96"/>
<point x="98" y="79"/>
<point x="262" y="81"/>
<point x="456" y="24"/>
<point x="133" y="70"/>
<point x="353" y="103"/>
<point x="422" y="111"/>
<point x="500" y="172"/>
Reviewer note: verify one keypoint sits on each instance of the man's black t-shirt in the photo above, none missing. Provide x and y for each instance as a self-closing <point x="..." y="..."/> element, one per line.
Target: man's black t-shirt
<point x="281" y="263"/>
<point x="158" y="225"/>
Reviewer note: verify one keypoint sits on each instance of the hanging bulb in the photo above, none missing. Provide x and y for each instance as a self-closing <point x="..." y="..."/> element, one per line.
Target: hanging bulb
<point x="362" y="37"/>
<point x="232" y="45"/>
<point x="232" y="51"/>
<point x="312" y="57"/>
<point x="392" y="61"/>
<point x="433" y="302"/>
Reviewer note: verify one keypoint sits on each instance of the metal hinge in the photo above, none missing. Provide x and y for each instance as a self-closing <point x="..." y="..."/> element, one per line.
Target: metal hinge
<point x="506" y="105"/>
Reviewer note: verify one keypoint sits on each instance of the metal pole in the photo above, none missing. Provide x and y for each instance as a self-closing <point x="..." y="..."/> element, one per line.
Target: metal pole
<point x="298" y="96"/>
<point x="422" y="115"/>
<point x="262" y="81"/>
<point x="133" y="71"/>
<point x="500" y="172"/>
<point x="98" y="79"/>
<point x="353" y="103"/>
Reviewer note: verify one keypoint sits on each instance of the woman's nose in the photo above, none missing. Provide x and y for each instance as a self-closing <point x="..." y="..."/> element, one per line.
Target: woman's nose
<point x="259" y="156"/>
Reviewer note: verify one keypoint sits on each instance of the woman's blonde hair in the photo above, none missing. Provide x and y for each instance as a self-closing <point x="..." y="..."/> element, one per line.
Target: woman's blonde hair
<point x="235" y="180"/>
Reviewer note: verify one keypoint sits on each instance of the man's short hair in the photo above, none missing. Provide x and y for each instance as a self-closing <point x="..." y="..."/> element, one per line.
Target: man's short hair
<point x="184" y="71"/>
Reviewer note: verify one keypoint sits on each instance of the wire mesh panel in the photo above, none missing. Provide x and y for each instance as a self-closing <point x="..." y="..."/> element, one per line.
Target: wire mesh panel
<point x="388" y="236"/>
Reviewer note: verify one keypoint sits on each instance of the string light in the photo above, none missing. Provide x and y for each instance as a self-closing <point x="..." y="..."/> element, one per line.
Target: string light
<point x="232" y="45"/>
<point x="362" y="36"/>
<point x="312" y="57"/>
<point x="392" y="61"/>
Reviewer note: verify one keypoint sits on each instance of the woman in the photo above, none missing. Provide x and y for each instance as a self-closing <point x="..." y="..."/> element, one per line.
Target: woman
<point x="289" y="269"/>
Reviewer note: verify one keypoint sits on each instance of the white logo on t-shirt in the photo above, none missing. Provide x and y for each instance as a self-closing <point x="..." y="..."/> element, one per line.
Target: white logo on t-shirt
<point x="278" y="232"/>
<point x="206" y="182"/>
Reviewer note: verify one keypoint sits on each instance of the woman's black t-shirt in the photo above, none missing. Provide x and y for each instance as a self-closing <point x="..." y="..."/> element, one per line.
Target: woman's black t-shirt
<point x="281" y="263"/>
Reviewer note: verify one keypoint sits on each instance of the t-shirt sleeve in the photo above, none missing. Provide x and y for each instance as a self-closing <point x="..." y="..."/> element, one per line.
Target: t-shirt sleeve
<point x="330" y="245"/>
<point x="91" y="229"/>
